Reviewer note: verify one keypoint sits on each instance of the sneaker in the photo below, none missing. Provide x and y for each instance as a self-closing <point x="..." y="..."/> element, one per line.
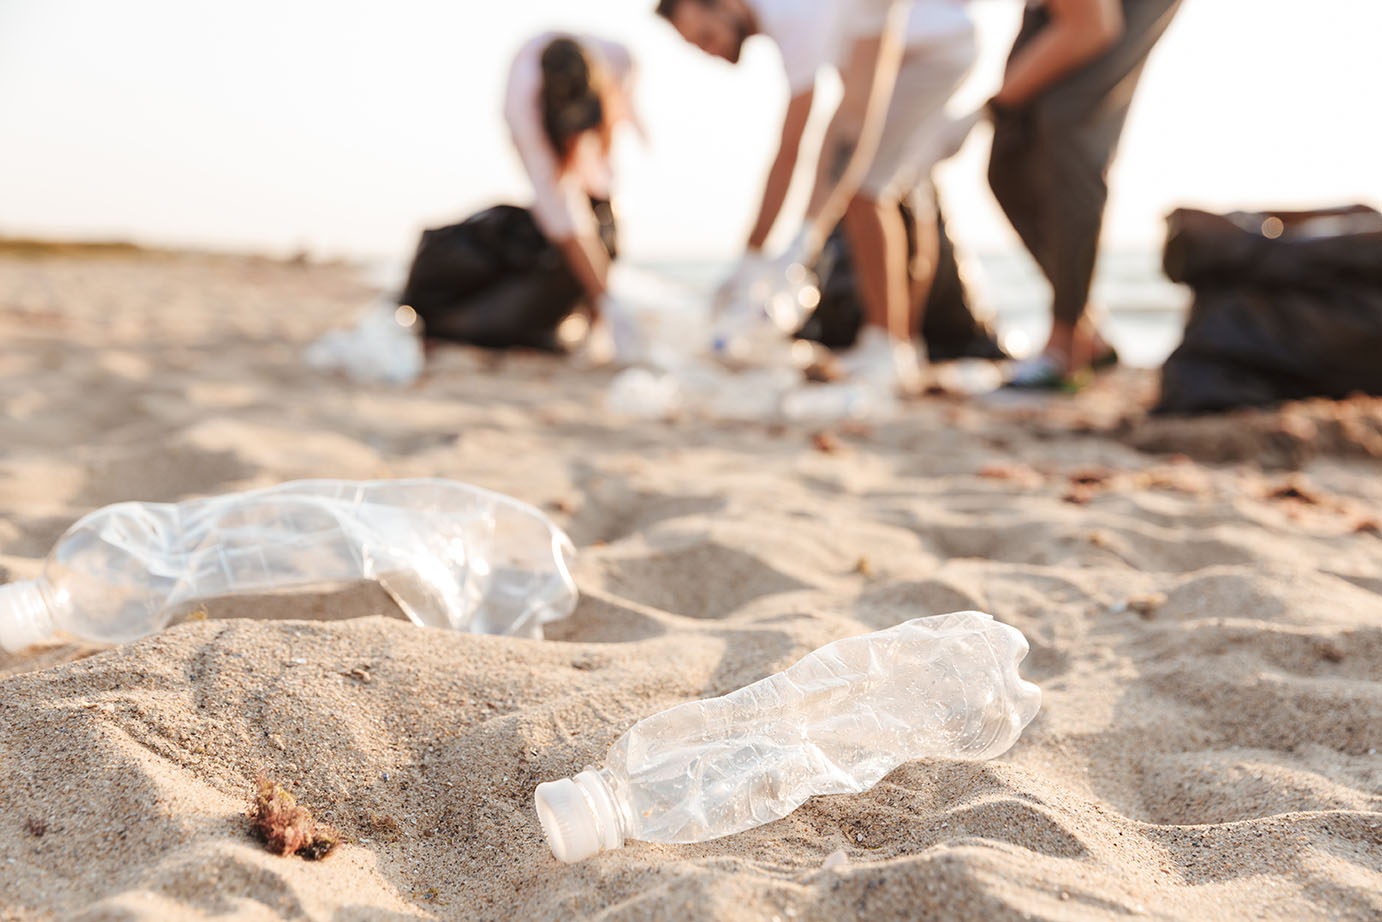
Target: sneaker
<point x="1107" y="359"/>
<point x="1045" y="371"/>
<point x="890" y="364"/>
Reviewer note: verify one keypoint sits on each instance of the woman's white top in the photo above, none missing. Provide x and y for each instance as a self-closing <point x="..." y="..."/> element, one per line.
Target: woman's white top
<point x="561" y="203"/>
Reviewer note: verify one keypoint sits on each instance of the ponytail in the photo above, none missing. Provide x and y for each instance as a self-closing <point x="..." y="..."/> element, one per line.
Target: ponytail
<point x="571" y="104"/>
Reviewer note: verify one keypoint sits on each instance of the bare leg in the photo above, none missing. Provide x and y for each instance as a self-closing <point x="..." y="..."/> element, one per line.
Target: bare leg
<point x="924" y="267"/>
<point x="878" y="243"/>
<point x="1048" y="165"/>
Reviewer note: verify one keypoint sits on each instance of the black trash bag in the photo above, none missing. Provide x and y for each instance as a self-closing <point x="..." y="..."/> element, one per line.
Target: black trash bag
<point x="495" y="281"/>
<point x="1287" y="305"/>
<point x="949" y="325"/>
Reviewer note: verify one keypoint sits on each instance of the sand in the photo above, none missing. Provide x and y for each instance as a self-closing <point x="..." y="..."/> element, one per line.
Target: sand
<point x="1208" y="636"/>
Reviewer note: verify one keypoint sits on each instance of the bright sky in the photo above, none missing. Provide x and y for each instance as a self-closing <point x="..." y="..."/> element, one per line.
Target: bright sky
<point x="346" y="126"/>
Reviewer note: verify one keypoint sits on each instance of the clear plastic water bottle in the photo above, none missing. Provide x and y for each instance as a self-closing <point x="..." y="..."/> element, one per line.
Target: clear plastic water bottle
<point x="451" y="555"/>
<point x="836" y="722"/>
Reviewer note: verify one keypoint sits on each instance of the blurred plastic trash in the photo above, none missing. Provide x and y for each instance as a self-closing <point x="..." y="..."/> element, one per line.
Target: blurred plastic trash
<point x="742" y="365"/>
<point x="661" y="322"/>
<point x="749" y="394"/>
<point x="968" y="376"/>
<point x="385" y="345"/>
<point x="712" y="390"/>
<point x="837" y="401"/>
<point x="644" y="394"/>
<point x="450" y="555"/>
<point x="836" y="722"/>
<point x="756" y="318"/>
<point x="750" y="267"/>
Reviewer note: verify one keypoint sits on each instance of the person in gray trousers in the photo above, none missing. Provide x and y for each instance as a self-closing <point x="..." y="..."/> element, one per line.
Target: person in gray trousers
<point x="1057" y="119"/>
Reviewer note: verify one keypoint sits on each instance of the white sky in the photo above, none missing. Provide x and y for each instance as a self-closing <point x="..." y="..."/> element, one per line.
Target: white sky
<point x="346" y="126"/>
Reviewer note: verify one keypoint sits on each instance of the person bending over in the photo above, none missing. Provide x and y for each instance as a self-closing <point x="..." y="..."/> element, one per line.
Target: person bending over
<point x="865" y="41"/>
<point x="508" y="276"/>
<point x="566" y="94"/>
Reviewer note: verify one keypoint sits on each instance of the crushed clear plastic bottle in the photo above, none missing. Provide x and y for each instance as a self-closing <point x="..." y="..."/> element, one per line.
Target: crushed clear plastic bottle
<point x="385" y="345"/>
<point x="451" y="555"/>
<point x="836" y="722"/>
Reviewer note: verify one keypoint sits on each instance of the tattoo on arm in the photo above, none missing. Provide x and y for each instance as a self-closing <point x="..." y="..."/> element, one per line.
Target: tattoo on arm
<point x="841" y="156"/>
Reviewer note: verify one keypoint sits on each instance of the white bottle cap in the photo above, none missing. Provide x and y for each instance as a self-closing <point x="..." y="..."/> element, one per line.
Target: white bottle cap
<point x="579" y="816"/>
<point x="24" y="616"/>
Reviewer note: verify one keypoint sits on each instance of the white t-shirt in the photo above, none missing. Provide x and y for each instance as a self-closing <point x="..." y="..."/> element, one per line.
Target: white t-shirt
<point x="807" y="34"/>
<point x="561" y="204"/>
<point x="933" y="21"/>
<point x="815" y="34"/>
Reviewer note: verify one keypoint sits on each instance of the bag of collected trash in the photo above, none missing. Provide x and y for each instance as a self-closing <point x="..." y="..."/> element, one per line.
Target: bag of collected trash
<point x="451" y="555"/>
<point x="1287" y="305"/>
<point x="383" y="346"/>
<point x="835" y="722"/>
<point x="495" y="281"/>
<point x="950" y="326"/>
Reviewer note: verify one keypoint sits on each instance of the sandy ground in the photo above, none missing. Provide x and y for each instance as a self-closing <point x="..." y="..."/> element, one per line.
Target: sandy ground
<point x="1208" y="636"/>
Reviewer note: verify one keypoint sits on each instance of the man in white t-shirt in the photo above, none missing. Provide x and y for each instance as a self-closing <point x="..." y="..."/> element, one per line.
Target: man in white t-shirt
<point x="873" y="151"/>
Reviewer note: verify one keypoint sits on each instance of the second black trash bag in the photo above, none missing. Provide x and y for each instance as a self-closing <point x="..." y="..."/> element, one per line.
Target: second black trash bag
<point x="1287" y="305"/>
<point x="495" y="281"/>
<point x="949" y="324"/>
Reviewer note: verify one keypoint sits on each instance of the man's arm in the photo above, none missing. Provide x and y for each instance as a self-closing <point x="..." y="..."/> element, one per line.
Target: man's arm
<point x="780" y="176"/>
<point x="851" y="141"/>
<point x="1080" y="31"/>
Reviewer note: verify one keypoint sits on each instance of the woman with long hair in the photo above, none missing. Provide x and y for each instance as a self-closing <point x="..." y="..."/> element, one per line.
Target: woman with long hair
<point x="510" y="276"/>
<point x="566" y="95"/>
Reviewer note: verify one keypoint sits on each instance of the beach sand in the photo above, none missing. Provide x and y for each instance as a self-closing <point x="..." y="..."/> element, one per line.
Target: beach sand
<point x="1207" y="634"/>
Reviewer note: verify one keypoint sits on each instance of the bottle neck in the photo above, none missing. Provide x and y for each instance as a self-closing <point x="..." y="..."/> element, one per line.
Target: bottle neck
<point x="600" y="792"/>
<point x="25" y="618"/>
<point x="580" y="816"/>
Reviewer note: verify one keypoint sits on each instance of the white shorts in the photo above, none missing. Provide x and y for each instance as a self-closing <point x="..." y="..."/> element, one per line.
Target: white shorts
<point x="908" y="150"/>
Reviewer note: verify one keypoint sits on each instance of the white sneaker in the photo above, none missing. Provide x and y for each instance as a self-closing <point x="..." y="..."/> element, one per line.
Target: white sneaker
<point x="889" y="364"/>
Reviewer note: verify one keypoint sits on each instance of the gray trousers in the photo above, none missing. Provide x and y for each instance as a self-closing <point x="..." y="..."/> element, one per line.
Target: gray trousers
<point x="1050" y="158"/>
